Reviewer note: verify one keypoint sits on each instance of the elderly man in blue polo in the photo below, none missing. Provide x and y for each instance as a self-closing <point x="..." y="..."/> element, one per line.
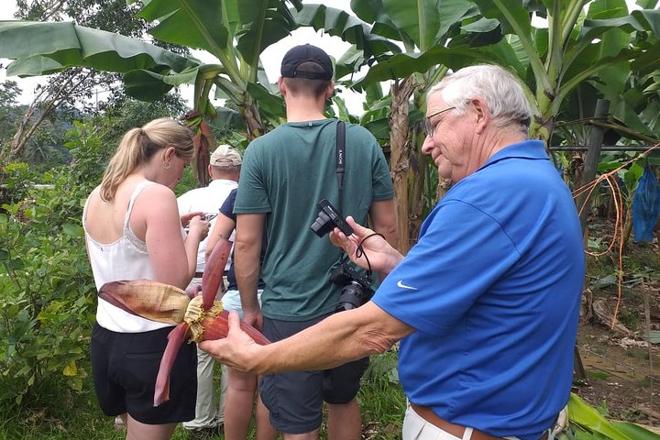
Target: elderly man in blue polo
<point x="486" y="302"/>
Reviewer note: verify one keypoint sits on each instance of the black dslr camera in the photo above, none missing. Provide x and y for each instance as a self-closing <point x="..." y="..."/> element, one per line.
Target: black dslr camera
<point x="356" y="287"/>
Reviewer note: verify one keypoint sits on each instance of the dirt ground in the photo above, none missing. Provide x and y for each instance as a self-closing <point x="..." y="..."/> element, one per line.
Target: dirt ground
<point x="621" y="361"/>
<point x="620" y="380"/>
<point x="622" y="367"/>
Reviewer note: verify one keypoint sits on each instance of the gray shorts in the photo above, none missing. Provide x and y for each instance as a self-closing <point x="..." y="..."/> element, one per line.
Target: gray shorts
<point x="295" y="400"/>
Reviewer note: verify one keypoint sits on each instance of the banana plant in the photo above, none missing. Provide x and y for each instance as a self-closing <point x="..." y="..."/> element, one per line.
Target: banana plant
<point x="576" y="47"/>
<point x="631" y="88"/>
<point x="584" y="41"/>
<point x="585" y="422"/>
<point x="551" y="62"/>
<point x="419" y="26"/>
<point x="235" y="32"/>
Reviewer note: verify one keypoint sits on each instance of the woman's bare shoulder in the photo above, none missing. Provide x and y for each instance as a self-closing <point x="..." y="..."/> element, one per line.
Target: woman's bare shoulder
<point x="158" y="190"/>
<point x="156" y="196"/>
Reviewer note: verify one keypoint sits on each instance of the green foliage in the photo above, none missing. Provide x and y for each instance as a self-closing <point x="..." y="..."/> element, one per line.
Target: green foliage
<point x="381" y="398"/>
<point x="629" y="176"/>
<point x="126" y="113"/>
<point x="9" y="91"/>
<point x="48" y="295"/>
<point x="590" y="423"/>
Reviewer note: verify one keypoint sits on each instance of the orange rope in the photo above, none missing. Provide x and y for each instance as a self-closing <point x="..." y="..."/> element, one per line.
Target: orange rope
<point x="610" y="178"/>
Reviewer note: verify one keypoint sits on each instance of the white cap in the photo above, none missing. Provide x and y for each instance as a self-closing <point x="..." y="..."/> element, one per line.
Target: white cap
<point x="225" y="157"/>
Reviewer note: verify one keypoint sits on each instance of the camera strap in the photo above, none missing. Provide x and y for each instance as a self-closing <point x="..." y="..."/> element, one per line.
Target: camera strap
<point x="341" y="160"/>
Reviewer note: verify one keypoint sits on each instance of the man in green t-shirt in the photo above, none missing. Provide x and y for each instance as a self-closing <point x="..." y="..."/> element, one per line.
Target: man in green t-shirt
<point x="284" y="175"/>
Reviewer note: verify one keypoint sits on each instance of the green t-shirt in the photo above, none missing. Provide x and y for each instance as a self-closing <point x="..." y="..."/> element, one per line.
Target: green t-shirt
<point x="284" y="175"/>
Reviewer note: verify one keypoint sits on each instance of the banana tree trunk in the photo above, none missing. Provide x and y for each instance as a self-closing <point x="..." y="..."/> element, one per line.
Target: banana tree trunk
<point x="417" y="184"/>
<point x="544" y="123"/>
<point x="400" y="157"/>
<point x="255" y="126"/>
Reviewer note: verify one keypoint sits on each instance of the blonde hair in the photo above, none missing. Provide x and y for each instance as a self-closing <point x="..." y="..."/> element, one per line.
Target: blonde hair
<point x="139" y="145"/>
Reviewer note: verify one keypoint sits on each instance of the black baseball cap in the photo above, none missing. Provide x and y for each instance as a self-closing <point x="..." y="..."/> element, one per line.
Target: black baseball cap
<point x="306" y="53"/>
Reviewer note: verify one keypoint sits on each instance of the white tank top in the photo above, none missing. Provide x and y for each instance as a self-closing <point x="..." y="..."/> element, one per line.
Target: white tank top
<point x="125" y="259"/>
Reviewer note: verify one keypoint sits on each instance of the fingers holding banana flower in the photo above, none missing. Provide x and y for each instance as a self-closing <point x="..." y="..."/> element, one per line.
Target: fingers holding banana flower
<point x="237" y="350"/>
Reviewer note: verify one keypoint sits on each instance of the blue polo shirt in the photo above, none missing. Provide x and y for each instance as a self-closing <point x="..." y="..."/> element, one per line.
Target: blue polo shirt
<point x="492" y="288"/>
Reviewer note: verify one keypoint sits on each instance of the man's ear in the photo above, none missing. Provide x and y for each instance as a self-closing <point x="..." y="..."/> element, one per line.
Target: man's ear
<point x="330" y="90"/>
<point x="281" y="87"/>
<point x="482" y="115"/>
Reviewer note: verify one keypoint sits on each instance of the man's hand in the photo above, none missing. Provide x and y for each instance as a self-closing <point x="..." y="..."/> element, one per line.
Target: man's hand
<point x="254" y="318"/>
<point x="237" y="350"/>
<point x="382" y="256"/>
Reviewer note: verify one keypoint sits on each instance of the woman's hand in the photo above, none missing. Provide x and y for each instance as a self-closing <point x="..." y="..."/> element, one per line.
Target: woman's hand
<point x="382" y="257"/>
<point x="185" y="218"/>
<point x="198" y="227"/>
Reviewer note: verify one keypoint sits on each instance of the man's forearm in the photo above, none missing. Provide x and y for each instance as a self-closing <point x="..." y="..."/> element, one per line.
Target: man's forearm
<point x="328" y="344"/>
<point x="247" y="268"/>
<point x="383" y="220"/>
<point x="340" y="338"/>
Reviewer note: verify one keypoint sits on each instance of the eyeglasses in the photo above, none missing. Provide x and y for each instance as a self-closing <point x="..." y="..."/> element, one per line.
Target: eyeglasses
<point x="429" y="128"/>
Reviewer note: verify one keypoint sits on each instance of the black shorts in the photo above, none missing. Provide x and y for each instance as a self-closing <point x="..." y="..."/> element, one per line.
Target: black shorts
<point x="125" y="367"/>
<point x="295" y="400"/>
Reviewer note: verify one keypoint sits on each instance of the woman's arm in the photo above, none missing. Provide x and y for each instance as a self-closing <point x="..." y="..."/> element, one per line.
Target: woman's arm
<point x="173" y="260"/>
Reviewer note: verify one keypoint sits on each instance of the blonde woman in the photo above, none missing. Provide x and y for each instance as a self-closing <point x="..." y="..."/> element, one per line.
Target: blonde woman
<point x="133" y="231"/>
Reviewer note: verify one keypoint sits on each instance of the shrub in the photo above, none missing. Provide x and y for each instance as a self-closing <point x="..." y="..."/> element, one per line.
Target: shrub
<point x="47" y="297"/>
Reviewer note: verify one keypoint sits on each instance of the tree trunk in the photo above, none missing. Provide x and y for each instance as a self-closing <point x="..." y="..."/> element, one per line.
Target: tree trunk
<point x="48" y="103"/>
<point x="417" y="185"/>
<point x="255" y="127"/>
<point x="400" y="156"/>
<point x="443" y="187"/>
<point x="627" y="225"/>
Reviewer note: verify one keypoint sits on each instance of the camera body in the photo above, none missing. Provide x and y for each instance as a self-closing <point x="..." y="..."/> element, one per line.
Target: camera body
<point x="355" y="287"/>
<point x="328" y="218"/>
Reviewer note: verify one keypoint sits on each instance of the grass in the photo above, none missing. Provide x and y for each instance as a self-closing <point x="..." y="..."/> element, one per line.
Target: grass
<point x="55" y="413"/>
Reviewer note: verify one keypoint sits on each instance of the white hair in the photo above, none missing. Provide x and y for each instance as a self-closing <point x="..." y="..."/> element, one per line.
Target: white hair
<point x="500" y="90"/>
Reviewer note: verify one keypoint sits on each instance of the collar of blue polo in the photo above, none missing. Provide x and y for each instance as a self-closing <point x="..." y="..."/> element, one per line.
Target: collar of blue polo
<point x="530" y="149"/>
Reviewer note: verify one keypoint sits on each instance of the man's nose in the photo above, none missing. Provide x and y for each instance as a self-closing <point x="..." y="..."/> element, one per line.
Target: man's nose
<point x="427" y="146"/>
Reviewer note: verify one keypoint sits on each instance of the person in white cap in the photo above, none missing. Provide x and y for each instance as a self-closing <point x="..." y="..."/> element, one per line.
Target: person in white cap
<point x="224" y="170"/>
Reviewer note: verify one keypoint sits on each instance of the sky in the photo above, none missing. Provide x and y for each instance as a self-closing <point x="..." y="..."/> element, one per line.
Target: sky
<point x="271" y="57"/>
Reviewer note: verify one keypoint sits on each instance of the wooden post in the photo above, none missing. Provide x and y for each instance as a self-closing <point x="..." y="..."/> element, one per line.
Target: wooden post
<point x="583" y="203"/>
<point x="591" y="160"/>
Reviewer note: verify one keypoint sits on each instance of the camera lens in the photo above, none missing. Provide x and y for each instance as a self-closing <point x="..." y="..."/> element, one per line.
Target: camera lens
<point x="351" y="297"/>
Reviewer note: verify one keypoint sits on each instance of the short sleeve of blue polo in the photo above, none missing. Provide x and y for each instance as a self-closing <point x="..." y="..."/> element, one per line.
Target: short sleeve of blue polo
<point x="431" y="289"/>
